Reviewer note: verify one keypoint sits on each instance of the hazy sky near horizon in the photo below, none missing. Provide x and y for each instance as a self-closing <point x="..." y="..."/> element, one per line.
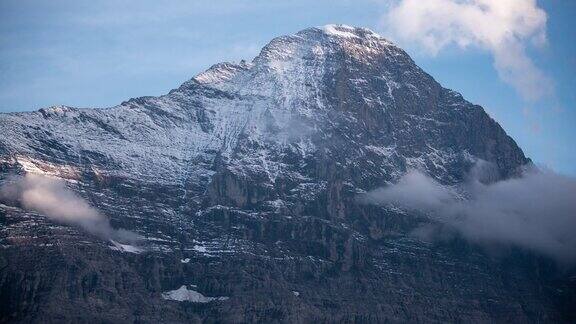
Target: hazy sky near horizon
<point x="516" y="58"/>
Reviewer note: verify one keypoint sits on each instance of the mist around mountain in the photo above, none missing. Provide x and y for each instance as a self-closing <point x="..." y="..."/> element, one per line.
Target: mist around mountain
<point x="329" y="179"/>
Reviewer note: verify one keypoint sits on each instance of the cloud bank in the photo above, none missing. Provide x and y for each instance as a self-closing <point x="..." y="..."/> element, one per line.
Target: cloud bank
<point x="51" y="198"/>
<point x="536" y="211"/>
<point x="505" y="28"/>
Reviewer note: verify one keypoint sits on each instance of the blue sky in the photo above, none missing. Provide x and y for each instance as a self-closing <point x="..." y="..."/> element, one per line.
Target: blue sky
<point x="100" y="53"/>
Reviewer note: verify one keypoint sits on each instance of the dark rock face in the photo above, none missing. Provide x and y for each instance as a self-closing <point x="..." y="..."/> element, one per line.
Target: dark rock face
<point x="244" y="183"/>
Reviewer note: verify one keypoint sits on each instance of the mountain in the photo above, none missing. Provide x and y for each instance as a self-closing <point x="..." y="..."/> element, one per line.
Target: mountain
<point x="243" y="186"/>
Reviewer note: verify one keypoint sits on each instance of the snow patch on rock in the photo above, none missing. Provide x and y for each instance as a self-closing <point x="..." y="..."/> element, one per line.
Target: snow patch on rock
<point x="339" y="31"/>
<point x="184" y="294"/>
<point x="125" y="248"/>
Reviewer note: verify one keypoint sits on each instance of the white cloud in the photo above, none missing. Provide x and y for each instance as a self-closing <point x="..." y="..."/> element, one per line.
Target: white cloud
<point x="536" y="211"/>
<point x="505" y="28"/>
<point x="51" y="198"/>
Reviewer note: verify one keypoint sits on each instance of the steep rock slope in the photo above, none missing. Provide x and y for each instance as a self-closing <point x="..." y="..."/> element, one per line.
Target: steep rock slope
<point x="243" y="183"/>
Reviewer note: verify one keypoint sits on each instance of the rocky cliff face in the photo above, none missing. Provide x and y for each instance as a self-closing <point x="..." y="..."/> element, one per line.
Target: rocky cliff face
<point x="243" y="183"/>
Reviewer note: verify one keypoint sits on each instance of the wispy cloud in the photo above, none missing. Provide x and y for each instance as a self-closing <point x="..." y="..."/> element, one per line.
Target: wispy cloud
<point x="51" y="198"/>
<point x="536" y="211"/>
<point x="505" y="28"/>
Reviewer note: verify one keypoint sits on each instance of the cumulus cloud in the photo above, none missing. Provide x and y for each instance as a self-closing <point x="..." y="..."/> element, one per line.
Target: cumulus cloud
<point x="505" y="28"/>
<point x="536" y="211"/>
<point x="51" y="198"/>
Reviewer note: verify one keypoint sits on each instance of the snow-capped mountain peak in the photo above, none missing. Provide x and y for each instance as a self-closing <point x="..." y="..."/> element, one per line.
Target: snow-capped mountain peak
<point x="245" y="181"/>
<point x="316" y="81"/>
